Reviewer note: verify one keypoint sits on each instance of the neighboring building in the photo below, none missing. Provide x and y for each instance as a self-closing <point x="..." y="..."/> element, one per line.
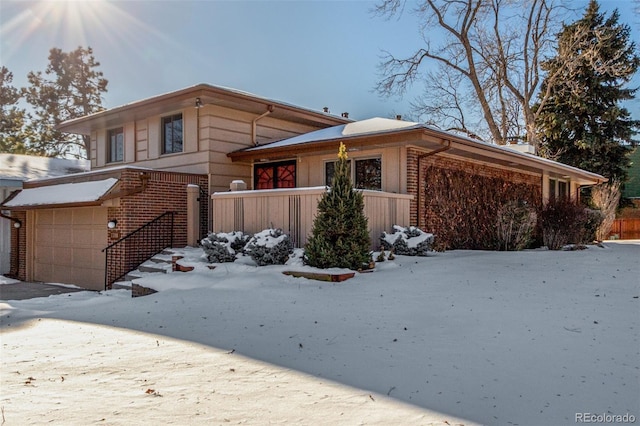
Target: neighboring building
<point x="164" y="153"/>
<point x="632" y="185"/>
<point x="17" y="168"/>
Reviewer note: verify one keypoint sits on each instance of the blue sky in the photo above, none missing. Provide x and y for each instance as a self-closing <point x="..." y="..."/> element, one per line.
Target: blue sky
<point x="309" y="53"/>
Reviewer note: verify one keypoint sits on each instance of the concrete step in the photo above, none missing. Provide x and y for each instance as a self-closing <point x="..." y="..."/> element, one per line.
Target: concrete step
<point x="145" y="267"/>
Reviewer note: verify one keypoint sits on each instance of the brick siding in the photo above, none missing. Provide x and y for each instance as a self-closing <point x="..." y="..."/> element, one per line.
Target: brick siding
<point x="165" y="191"/>
<point x="18" y="262"/>
<point x="446" y="162"/>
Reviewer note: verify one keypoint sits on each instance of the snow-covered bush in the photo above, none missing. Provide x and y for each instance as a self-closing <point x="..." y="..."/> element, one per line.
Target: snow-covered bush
<point x="269" y="247"/>
<point x="223" y="247"/>
<point x="409" y="241"/>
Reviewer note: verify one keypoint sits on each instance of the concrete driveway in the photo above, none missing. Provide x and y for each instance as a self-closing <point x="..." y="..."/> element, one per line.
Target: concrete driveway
<point x="29" y="290"/>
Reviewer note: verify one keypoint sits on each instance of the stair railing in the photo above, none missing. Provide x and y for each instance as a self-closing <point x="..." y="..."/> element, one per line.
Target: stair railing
<point x="126" y="254"/>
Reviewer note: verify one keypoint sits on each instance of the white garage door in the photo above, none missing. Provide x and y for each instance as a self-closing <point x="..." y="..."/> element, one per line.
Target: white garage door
<point x="68" y="244"/>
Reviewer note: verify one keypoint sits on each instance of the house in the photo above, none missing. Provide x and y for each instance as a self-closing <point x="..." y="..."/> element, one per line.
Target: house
<point x="448" y="178"/>
<point x="163" y="167"/>
<point x="154" y="163"/>
<point x="14" y="170"/>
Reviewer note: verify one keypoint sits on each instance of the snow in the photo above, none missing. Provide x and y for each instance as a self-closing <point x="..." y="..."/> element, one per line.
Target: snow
<point x="413" y="242"/>
<point x="63" y="193"/>
<point x="28" y="167"/>
<point x="268" y="238"/>
<point x="375" y="125"/>
<point x="5" y="280"/>
<point x="461" y="337"/>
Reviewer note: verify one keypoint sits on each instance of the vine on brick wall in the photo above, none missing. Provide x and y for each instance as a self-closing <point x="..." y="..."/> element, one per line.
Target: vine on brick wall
<point x="461" y="208"/>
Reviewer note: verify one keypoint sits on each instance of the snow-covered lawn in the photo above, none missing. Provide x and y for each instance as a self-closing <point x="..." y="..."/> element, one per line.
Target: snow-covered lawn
<point x="528" y="338"/>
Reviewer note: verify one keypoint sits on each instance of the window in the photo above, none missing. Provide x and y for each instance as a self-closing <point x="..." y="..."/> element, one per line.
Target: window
<point x="274" y="175"/>
<point x="172" y="134"/>
<point x="115" y="141"/>
<point x="558" y="188"/>
<point x="368" y="173"/>
<point x="330" y="170"/>
<point x="563" y="189"/>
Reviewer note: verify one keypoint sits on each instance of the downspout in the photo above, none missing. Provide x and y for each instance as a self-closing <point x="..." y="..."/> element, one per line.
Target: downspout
<point x="419" y="190"/>
<point x="254" y="133"/>
<point x="17" y="224"/>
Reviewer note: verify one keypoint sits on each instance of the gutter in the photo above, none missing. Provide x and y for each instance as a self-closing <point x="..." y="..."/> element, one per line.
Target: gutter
<point x="12" y="219"/>
<point x="419" y="191"/>
<point x="254" y="133"/>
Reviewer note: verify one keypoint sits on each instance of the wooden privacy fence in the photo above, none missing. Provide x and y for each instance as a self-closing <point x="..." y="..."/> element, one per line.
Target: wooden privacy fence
<point x="625" y="229"/>
<point x="293" y="211"/>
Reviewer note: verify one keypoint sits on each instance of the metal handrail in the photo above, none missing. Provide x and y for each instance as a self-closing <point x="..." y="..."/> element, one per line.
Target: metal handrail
<point x="138" y="246"/>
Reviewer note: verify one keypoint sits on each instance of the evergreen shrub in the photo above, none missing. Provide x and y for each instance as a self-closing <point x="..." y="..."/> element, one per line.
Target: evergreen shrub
<point x="223" y="247"/>
<point x="340" y="235"/>
<point x="409" y="241"/>
<point x="269" y="247"/>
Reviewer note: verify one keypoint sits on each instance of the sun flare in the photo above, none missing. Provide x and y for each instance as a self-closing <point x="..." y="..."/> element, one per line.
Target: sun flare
<point x="67" y="24"/>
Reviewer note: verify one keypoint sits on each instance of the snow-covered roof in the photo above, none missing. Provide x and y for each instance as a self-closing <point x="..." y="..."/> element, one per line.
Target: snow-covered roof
<point x="378" y="126"/>
<point x="371" y="126"/>
<point x="65" y="193"/>
<point x="27" y="167"/>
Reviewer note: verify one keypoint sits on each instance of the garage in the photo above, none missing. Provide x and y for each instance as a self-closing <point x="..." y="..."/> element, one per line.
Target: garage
<point x="69" y="244"/>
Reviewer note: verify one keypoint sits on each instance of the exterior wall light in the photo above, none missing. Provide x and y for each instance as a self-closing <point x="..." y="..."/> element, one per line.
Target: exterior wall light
<point x="17" y="225"/>
<point x="112" y="223"/>
<point x="198" y="103"/>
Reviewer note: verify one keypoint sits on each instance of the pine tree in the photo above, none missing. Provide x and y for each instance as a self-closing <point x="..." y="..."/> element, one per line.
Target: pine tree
<point x="582" y="123"/>
<point x="339" y="238"/>
<point x="71" y="87"/>
<point x="12" y="117"/>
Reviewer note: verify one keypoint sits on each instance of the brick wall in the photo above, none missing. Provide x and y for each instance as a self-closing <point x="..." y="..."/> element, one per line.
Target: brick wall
<point x="18" y="261"/>
<point x="423" y="213"/>
<point x="165" y="191"/>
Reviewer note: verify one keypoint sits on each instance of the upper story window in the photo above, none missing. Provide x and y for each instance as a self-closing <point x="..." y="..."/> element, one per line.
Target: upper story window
<point x="172" y="134"/>
<point x="367" y="173"/>
<point x="274" y="175"/>
<point x="115" y="141"/>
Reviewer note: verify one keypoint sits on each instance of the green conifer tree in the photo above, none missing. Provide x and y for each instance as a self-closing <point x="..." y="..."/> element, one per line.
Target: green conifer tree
<point x="583" y="123"/>
<point x="339" y="238"/>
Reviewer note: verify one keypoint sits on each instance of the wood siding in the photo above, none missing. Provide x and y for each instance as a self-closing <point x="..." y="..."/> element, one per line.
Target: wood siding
<point x="310" y="169"/>
<point x="293" y="211"/>
<point x="210" y="133"/>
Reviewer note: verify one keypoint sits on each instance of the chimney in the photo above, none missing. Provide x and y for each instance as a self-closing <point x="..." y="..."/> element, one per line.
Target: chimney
<point x="326" y="110"/>
<point x="399" y="117"/>
<point x="345" y="115"/>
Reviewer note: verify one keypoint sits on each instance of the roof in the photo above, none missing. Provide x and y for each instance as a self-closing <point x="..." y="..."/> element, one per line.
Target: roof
<point x="17" y="167"/>
<point x="384" y="132"/>
<point x="62" y="194"/>
<point x="371" y="126"/>
<point x="186" y="98"/>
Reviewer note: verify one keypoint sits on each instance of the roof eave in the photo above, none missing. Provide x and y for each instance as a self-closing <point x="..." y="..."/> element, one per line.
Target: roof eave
<point x="185" y="98"/>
